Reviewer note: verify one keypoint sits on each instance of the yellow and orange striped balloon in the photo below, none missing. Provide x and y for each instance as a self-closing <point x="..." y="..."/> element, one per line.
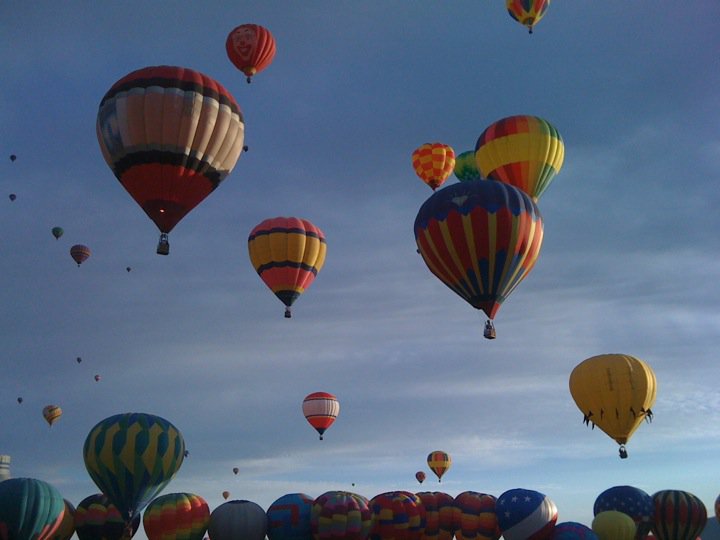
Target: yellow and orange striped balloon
<point x="439" y="463"/>
<point x="433" y="163"/>
<point x="51" y="413"/>
<point x="177" y="516"/>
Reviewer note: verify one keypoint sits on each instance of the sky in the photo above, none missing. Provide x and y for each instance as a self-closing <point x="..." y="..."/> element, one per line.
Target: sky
<point x="628" y="264"/>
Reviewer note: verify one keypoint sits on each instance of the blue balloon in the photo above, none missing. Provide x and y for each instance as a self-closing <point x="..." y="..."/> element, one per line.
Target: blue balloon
<point x="571" y="530"/>
<point x="631" y="501"/>
<point x="289" y="517"/>
<point x="522" y="513"/>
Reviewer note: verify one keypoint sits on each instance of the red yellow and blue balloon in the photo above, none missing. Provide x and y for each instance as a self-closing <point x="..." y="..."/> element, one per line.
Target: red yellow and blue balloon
<point x="527" y="12"/>
<point x="439" y="463"/>
<point x="177" y="516"/>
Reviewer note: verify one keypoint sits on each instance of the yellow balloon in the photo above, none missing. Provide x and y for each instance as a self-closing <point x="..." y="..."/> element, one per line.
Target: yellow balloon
<point x="614" y="392"/>
<point x="613" y="525"/>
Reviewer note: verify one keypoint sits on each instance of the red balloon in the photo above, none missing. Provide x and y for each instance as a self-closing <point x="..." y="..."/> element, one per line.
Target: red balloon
<point x="80" y="253"/>
<point x="251" y="48"/>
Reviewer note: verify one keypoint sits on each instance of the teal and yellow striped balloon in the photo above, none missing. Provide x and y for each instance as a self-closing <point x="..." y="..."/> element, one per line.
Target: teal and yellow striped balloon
<point x="177" y="516"/>
<point x="131" y="457"/>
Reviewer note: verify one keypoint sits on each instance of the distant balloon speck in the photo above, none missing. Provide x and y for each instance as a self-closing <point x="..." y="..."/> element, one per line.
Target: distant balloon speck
<point x="12" y="196"/>
<point x="128" y="268"/>
<point x="13" y="157"/>
<point x="20" y="400"/>
<point x="78" y="359"/>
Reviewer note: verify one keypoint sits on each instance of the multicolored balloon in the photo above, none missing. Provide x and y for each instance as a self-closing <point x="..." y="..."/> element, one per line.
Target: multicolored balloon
<point x="524" y="151"/>
<point x="466" y="168"/>
<point x="440" y="518"/>
<point x="170" y="135"/>
<point x="420" y="476"/>
<point x="340" y="515"/>
<point x="67" y="526"/>
<point x="631" y="500"/>
<point x="439" y="463"/>
<point x="29" y="508"/>
<point x="80" y="253"/>
<point x="320" y="410"/>
<point x="527" y="12"/>
<point x="51" y="413"/>
<point x="571" y="530"/>
<point x="475" y="516"/>
<point x="177" y="516"/>
<point x="433" y="163"/>
<point x="131" y="457"/>
<point x="238" y="519"/>
<point x="57" y="232"/>
<point x="679" y="515"/>
<point x="289" y="517"/>
<point x="96" y="518"/>
<point x="397" y="515"/>
<point x="525" y="514"/>
<point x="251" y="48"/>
<point x="287" y="253"/>
<point x="481" y="239"/>
<point x="614" y="392"/>
<point x="614" y="525"/>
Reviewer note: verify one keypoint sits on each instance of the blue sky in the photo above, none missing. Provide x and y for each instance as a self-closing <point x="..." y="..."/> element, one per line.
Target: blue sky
<point x="628" y="264"/>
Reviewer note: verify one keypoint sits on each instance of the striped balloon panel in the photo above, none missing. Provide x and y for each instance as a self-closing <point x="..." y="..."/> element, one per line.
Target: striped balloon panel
<point x="96" y="518"/>
<point x="66" y="528"/>
<point x="289" y="517"/>
<point x="287" y="254"/>
<point x="439" y="515"/>
<point x="131" y="457"/>
<point x="29" y="509"/>
<point x="433" y="163"/>
<point x="466" y="167"/>
<point x="340" y="515"/>
<point x="475" y="516"/>
<point x="679" y="515"/>
<point x="321" y="410"/>
<point x="481" y="239"/>
<point x="524" y="151"/>
<point x="177" y="516"/>
<point x="80" y="253"/>
<point x="527" y="12"/>
<point x="397" y="515"/>
<point x="170" y="135"/>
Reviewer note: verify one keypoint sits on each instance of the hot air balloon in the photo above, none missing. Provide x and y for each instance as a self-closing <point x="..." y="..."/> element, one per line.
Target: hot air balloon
<point x="320" y="410"/>
<point x="679" y="515"/>
<point x="12" y="196"/>
<point x="80" y="253"/>
<point x="78" y="360"/>
<point x="287" y="253"/>
<point x="97" y="518"/>
<point x="397" y="515"/>
<point x="225" y="494"/>
<point x="571" y="530"/>
<point x="289" y="517"/>
<point x="29" y="509"/>
<point x="251" y="48"/>
<point x="466" y="167"/>
<point x="340" y="515"/>
<point x="420" y="476"/>
<point x="97" y="378"/>
<point x="524" y="151"/>
<point x="236" y="470"/>
<point x="439" y="463"/>
<point x="51" y="413"/>
<point x="67" y="526"/>
<point x="170" y="135"/>
<point x="13" y="157"/>
<point x="131" y="457"/>
<point x="614" y="392"/>
<point x="433" y="163"/>
<point x="127" y="268"/>
<point x="475" y="516"/>
<point x="633" y="501"/>
<point x="613" y="525"/>
<point x="176" y="516"/>
<point x="19" y="400"/>
<point x="238" y="519"/>
<point x="525" y="514"/>
<point x="440" y="518"/>
<point x="57" y="232"/>
<point x="527" y="12"/>
<point x="481" y="239"/>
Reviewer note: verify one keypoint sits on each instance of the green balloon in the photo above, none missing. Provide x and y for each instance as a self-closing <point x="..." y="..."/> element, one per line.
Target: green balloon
<point x="131" y="457"/>
<point x="29" y="508"/>
<point x="466" y="167"/>
<point x="57" y="232"/>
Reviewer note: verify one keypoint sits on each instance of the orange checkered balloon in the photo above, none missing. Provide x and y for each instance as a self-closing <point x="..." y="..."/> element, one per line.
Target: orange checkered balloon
<point x="433" y="163"/>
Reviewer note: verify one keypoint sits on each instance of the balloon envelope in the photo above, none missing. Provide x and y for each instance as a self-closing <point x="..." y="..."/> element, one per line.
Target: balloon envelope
<point x="466" y="168"/>
<point x="320" y="410"/>
<point x="475" y="516"/>
<point x="176" y="516"/>
<point x="238" y="519"/>
<point x="51" y="413"/>
<point x="170" y="135"/>
<point x="29" y="508"/>
<point x="614" y="525"/>
<point x="678" y="515"/>
<point x="440" y="518"/>
<point x="632" y="501"/>
<point x="397" y="515"/>
<point x="251" y="48"/>
<point x="289" y="517"/>
<point x="80" y="253"/>
<point x="57" y="232"/>
<point x="525" y="514"/>
<point x="527" y="12"/>
<point x="481" y="239"/>
<point x="67" y="526"/>
<point x="420" y="476"/>
<point x="439" y="462"/>
<point x="433" y="163"/>
<point x="131" y="457"/>
<point x="340" y="515"/>
<point x="571" y="530"/>
<point x="524" y="151"/>
<point x="97" y="518"/>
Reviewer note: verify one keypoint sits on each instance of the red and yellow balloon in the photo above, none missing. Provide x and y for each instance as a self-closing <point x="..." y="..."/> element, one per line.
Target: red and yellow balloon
<point x="433" y="163"/>
<point x="251" y="48"/>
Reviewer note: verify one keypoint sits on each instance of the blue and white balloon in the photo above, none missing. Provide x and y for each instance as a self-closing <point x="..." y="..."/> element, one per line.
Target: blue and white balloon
<point x="524" y="514"/>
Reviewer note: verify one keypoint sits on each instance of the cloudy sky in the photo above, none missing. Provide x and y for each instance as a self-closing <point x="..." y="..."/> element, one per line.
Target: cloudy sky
<point x="629" y="262"/>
